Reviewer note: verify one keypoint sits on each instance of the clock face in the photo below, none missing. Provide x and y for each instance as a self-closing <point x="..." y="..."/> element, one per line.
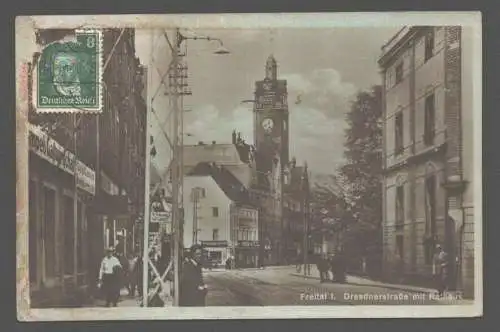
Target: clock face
<point x="267" y="125"/>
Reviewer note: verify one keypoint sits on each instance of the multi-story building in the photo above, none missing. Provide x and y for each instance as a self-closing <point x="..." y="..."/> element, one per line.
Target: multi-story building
<point x="109" y="151"/>
<point x="218" y="215"/>
<point x="427" y="141"/>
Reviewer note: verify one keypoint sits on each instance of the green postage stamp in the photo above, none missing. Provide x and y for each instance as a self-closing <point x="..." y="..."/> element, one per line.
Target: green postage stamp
<point x="69" y="75"/>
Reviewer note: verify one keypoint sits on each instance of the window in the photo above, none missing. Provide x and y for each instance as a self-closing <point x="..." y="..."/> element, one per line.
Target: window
<point x="69" y="234"/>
<point x="430" y="187"/>
<point x="429" y="123"/>
<point x="33" y="233"/>
<point x="49" y="233"/>
<point x="203" y="193"/>
<point x="400" y="205"/>
<point x="400" y="246"/>
<point x="215" y="211"/>
<point x="429" y="45"/>
<point x="430" y="214"/>
<point x="399" y="133"/>
<point x="399" y="72"/>
<point x="215" y="234"/>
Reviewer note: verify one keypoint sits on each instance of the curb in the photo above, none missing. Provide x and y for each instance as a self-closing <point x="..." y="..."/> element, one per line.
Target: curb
<point x="388" y="286"/>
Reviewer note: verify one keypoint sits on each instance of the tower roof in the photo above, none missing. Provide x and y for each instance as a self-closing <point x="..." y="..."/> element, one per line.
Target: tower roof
<point x="271" y="60"/>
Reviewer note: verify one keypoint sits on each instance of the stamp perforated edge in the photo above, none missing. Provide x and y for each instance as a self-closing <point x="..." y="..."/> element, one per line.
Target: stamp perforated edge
<point x="83" y="110"/>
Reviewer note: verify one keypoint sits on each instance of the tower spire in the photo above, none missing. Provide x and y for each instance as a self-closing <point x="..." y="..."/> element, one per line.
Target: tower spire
<point x="271" y="68"/>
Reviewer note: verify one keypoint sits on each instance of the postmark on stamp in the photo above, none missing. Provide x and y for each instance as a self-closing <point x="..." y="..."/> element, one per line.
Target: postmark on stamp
<point x="68" y="75"/>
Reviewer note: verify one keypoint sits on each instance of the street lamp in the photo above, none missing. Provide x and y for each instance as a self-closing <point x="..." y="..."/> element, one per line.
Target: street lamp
<point x="221" y="50"/>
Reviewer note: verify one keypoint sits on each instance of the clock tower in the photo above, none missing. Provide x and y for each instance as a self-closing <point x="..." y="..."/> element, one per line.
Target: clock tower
<point x="271" y="118"/>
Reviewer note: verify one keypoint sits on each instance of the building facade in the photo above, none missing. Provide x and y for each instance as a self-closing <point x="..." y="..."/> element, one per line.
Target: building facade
<point x="207" y="217"/>
<point x="108" y="155"/>
<point x="428" y="198"/>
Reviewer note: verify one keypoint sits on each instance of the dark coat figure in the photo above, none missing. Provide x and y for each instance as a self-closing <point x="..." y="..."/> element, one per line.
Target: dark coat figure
<point x="192" y="288"/>
<point x="139" y="274"/>
<point x="339" y="267"/>
<point x="323" y="267"/>
<point x="442" y="270"/>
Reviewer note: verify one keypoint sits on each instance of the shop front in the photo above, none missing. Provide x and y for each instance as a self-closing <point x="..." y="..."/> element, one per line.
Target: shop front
<point x="247" y="254"/>
<point x="59" y="220"/>
<point x="216" y="253"/>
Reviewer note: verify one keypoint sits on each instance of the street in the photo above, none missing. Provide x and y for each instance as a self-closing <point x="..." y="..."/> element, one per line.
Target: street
<point x="283" y="286"/>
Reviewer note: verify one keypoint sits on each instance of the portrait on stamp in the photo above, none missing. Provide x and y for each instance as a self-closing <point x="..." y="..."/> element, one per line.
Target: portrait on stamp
<point x="69" y="74"/>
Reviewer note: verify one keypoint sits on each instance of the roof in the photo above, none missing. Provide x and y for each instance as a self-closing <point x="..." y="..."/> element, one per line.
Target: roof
<point x="228" y="183"/>
<point x="397" y="43"/>
<point x="226" y="154"/>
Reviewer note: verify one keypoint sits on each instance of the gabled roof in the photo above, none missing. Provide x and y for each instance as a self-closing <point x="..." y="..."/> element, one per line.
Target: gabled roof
<point x="228" y="183"/>
<point x="226" y="154"/>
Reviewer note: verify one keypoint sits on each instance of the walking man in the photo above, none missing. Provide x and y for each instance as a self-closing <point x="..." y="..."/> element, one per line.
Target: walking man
<point x="192" y="288"/>
<point x="109" y="278"/>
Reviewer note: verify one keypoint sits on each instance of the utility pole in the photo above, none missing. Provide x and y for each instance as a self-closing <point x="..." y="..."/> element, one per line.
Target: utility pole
<point x="174" y="98"/>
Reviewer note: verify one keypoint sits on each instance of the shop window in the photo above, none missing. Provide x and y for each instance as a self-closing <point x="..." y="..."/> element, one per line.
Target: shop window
<point x="33" y="233"/>
<point x="69" y="234"/>
<point x="430" y="208"/>
<point x="429" y="123"/>
<point x="81" y="238"/>
<point x="49" y="234"/>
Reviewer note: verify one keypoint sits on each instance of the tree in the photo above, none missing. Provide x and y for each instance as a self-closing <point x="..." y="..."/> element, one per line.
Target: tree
<point x="361" y="175"/>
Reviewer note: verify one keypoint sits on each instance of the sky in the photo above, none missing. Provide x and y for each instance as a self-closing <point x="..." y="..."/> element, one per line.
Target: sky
<point x="326" y="67"/>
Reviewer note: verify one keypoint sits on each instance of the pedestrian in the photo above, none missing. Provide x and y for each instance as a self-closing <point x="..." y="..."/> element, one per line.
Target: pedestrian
<point x="441" y="269"/>
<point x="322" y="265"/>
<point x="109" y="278"/>
<point x="132" y="274"/>
<point x="139" y="281"/>
<point x="192" y="288"/>
<point x="123" y="273"/>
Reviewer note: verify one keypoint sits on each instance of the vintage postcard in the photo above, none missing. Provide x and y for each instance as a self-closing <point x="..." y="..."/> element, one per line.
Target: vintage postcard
<point x="249" y="166"/>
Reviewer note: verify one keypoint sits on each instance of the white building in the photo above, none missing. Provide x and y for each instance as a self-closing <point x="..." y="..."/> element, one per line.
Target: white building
<point x="212" y="217"/>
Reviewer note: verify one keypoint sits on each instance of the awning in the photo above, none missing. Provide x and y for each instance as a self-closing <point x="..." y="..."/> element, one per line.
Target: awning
<point x="110" y="204"/>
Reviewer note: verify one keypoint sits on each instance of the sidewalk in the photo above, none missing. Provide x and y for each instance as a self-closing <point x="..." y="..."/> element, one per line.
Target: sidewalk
<point x="360" y="281"/>
<point x="124" y="301"/>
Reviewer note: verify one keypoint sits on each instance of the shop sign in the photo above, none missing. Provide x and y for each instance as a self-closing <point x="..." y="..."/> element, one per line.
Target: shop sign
<point x="251" y="244"/>
<point x="49" y="149"/>
<point x="154" y="239"/>
<point x="214" y="243"/>
<point x="163" y="218"/>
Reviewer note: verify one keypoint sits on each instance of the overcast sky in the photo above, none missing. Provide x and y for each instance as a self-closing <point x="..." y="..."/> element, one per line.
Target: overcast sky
<point x="325" y="66"/>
